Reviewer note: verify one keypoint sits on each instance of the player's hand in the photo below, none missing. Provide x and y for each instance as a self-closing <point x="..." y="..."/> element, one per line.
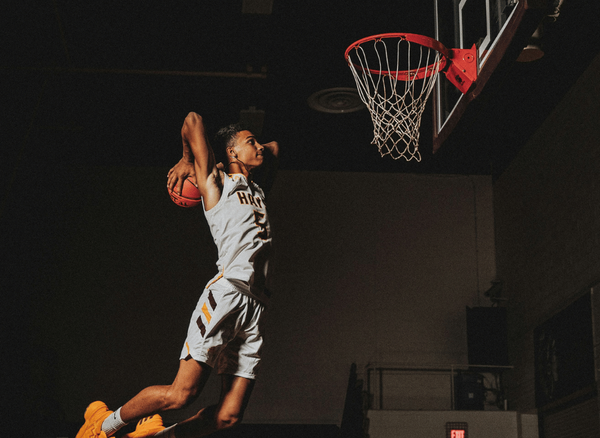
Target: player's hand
<point x="178" y="174"/>
<point x="272" y="147"/>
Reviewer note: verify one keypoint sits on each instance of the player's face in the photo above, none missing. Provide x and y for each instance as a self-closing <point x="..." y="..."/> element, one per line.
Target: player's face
<point x="248" y="150"/>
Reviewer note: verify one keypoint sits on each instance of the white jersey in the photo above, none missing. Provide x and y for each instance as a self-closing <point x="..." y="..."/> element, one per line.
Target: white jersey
<point x="240" y="228"/>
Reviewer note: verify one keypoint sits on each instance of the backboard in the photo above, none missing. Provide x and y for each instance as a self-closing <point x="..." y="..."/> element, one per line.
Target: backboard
<point x="498" y="28"/>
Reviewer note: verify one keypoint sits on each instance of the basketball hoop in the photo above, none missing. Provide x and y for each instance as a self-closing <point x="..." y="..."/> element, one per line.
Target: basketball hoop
<point x="395" y="74"/>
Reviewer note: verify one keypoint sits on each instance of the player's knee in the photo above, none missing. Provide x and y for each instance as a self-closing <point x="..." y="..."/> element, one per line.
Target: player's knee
<point x="227" y="420"/>
<point x="180" y="398"/>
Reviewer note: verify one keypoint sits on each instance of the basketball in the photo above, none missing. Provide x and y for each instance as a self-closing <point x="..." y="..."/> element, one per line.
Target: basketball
<point x="190" y="195"/>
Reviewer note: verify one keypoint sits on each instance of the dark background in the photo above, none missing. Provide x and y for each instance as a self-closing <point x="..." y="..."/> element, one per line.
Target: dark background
<point x="110" y="83"/>
<point x="96" y="92"/>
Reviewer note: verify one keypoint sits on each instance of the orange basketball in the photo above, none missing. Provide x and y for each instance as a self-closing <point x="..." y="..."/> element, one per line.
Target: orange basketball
<point x="190" y="195"/>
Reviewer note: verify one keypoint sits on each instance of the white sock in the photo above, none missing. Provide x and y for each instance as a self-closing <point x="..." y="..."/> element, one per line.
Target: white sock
<point x="113" y="423"/>
<point x="169" y="432"/>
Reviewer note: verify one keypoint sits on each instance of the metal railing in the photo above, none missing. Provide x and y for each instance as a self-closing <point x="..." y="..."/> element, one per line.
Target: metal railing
<point x="376" y="374"/>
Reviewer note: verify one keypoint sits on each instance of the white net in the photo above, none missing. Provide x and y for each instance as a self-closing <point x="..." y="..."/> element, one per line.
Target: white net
<point x="395" y="85"/>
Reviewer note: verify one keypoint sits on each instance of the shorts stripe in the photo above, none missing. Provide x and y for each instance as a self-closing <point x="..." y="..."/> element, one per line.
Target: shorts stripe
<point x="225" y="332"/>
<point x="201" y="326"/>
<point x="211" y="300"/>
<point x="216" y="279"/>
<point x="206" y="313"/>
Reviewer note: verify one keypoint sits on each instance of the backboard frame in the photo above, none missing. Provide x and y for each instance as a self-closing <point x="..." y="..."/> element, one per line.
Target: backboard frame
<point x="520" y="23"/>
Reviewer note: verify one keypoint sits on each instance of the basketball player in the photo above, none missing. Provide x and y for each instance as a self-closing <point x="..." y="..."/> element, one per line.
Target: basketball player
<point x="225" y="330"/>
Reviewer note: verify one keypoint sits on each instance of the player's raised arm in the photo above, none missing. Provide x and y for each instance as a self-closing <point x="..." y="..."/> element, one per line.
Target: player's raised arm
<point x="193" y="135"/>
<point x="198" y="159"/>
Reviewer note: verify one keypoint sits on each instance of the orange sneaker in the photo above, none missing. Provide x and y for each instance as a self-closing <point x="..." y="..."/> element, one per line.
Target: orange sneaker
<point x="147" y="427"/>
<point x="95" y="414"/>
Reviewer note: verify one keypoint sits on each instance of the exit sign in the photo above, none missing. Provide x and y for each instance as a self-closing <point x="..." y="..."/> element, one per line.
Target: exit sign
<point x="457" y="430"/>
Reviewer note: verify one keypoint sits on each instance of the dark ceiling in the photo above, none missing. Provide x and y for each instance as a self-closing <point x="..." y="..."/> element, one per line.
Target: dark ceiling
<point x="109" y="83"/>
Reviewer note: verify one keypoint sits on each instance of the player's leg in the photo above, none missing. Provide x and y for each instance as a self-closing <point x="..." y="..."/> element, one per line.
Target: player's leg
<point x="188" y="383"/>
<point x="186" y="387"/>
<point x="235" y="394"/>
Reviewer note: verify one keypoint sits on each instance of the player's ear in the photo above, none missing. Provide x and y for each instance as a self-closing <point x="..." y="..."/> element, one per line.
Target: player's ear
<point x="231" y="153"/>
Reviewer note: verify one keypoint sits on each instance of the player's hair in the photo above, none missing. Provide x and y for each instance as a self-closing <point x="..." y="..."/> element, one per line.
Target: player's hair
<point x="224" y="137"/>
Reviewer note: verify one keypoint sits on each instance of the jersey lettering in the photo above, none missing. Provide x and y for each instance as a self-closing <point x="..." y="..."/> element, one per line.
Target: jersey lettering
<point x="247" y="199"/>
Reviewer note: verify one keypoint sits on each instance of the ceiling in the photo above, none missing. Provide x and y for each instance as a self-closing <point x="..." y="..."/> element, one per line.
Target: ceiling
<point x="109" y="83"/>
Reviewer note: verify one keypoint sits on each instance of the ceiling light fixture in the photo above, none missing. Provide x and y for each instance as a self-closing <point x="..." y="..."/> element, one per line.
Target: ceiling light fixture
<point x="336" y="101"/>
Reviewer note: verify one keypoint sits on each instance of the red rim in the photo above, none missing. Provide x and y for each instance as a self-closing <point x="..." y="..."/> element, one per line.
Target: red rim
<point x="413" y="38"/>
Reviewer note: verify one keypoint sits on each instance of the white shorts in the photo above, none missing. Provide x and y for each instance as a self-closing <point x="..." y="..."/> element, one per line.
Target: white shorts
<point x="225" y="331"/>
